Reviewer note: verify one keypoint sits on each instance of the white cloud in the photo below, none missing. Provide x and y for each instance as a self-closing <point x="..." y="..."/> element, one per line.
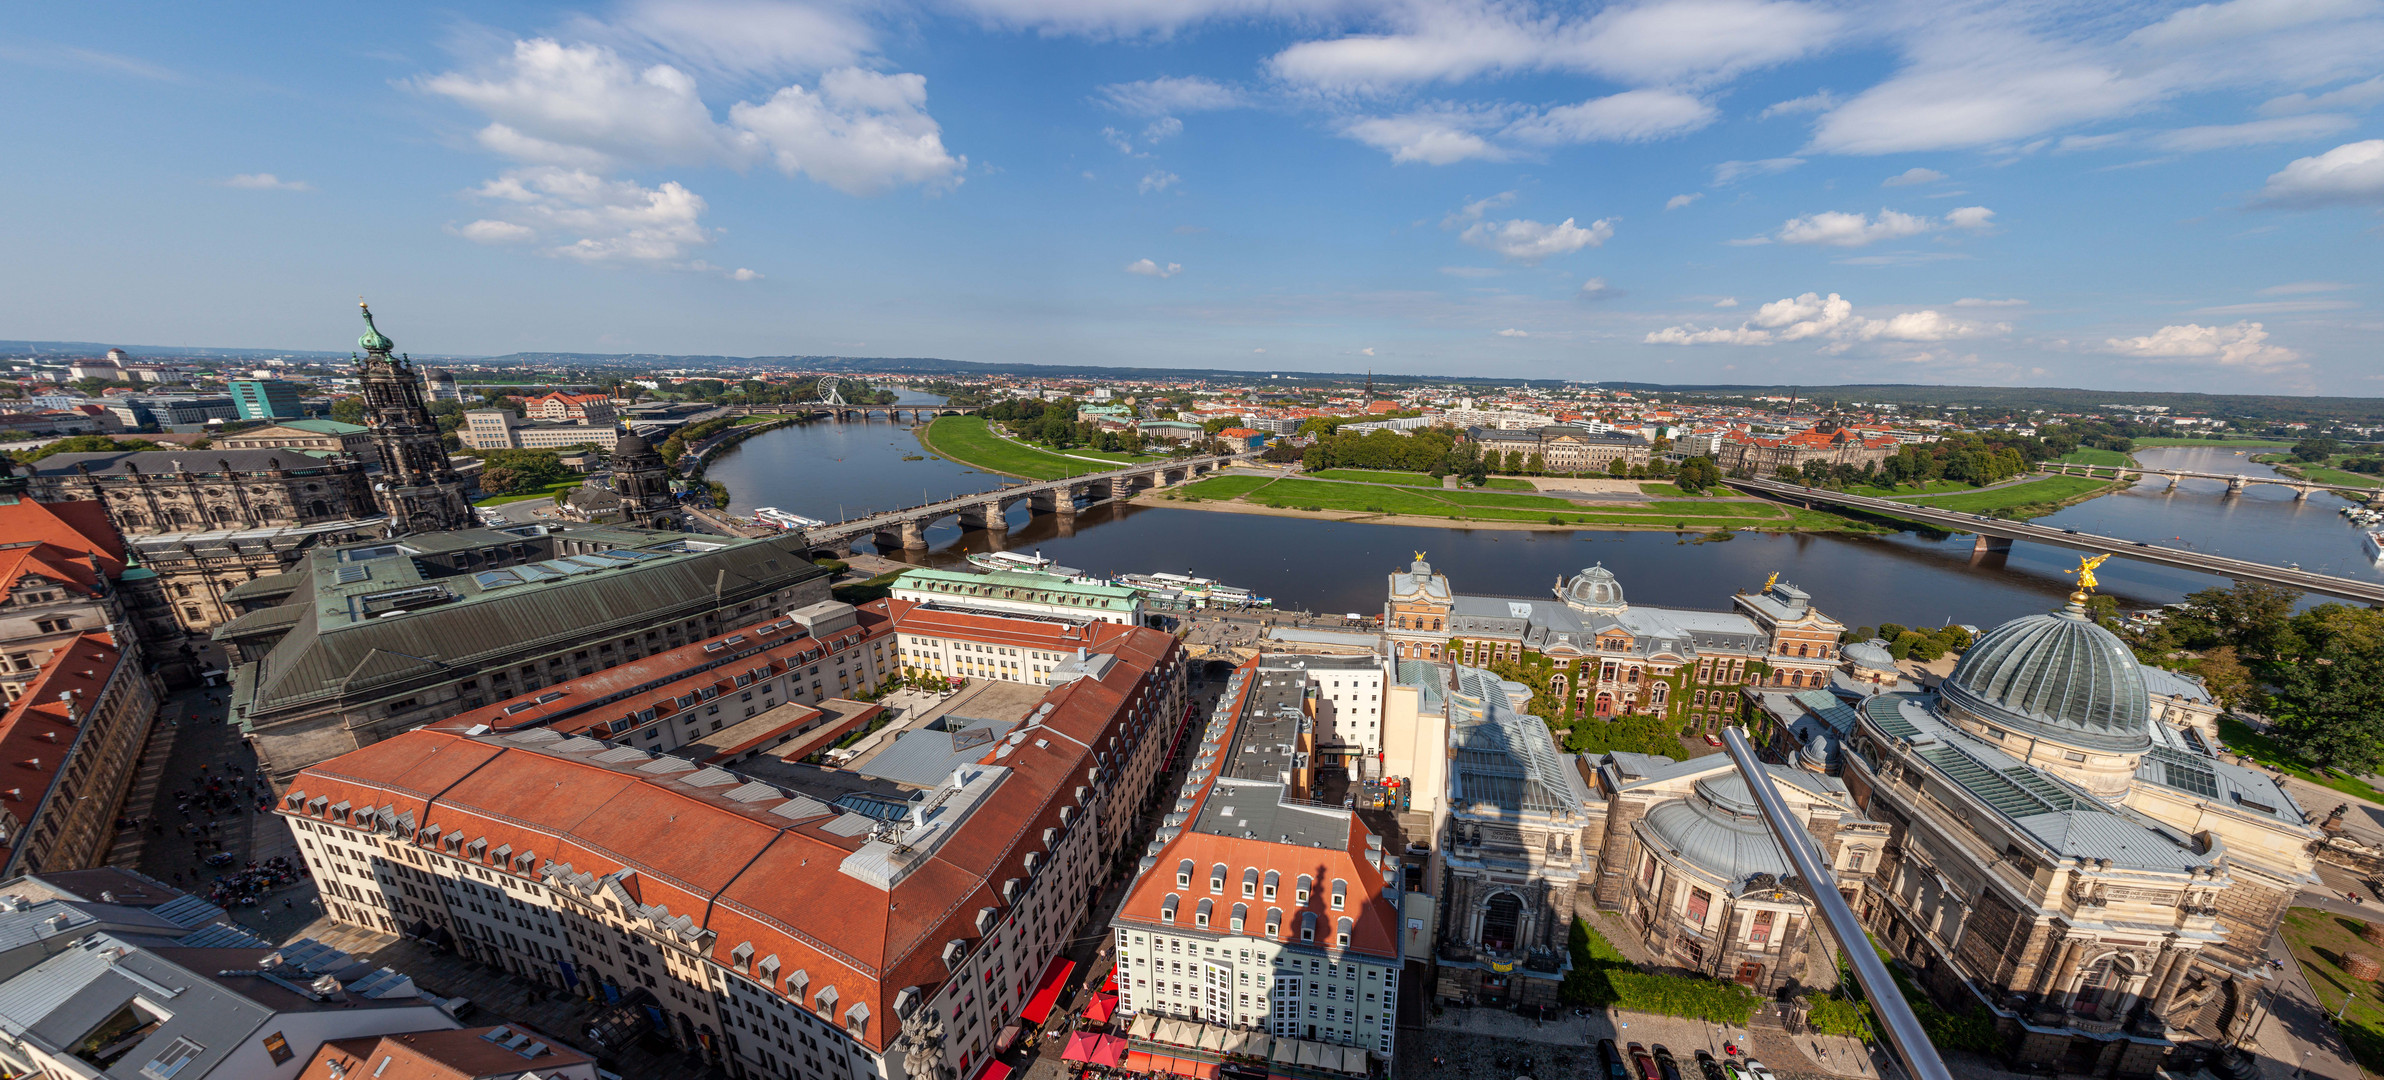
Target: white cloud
<point x="1169" y="95"/>
<point x="742" y="274"/>
<point x="862" y="133"/>
<point x="491" y="231"/>
<point x="1630" y="116"/>
<point x="2359" y="95"/>
<point x="1432" y="137"/>
<point x="1118" y="139"/>
<point x="1596" y="289"/>
<point x="1525" y="241"/>
<point x="1837" y="228"/>
<point x="2297" y="288"/>
<point x="581" y="215"/>
<point x="1731" y="172"/>
<point x="1664" y="42"/>
<point x="1162" y="129"/>
<point x="583" y="105"/>
<point x="1474" y="210"/>
<point x="1973" y="301"/>
<point x="2275" y="307"/>
<point x="1912" y="176"/>
<point x="266" y="181"/>
<point x="1114" y="18"/>
<point x="1368" y="350"/>
<point x="1156" y="181"/>
<point x="1829" y="319"/>
<point x="742" y="39"/>
<point x="1726" y="302"/>
<point x="2003" y="74"/>
<point x="2243" y="344"/>
<point x="1147" y="268"/>
<point x="1512" y="332"/>
<point x="1814" y="102"/>
<point x="2352" y="173"/>
<point x="1678" y="201"/>
<point x="2254" y="133"/>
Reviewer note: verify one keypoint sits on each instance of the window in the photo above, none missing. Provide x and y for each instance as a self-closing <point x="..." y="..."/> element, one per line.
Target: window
<point x="1760" y="931"/>
<point x="171" y="1060"/>
<point x="1700" y="902"/>
<point x="1340" y="893"/>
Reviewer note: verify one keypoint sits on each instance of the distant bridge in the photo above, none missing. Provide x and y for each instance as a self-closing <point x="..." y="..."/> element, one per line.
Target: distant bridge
<point x="2236" y="482"/>
<point x="907" y="527"/>
<point x="1997" y="534"/>
<point x="842" y="411"/>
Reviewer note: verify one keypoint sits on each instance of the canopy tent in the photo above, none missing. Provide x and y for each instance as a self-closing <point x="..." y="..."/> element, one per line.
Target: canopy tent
<point x="1009" y="1035"/>
<point x="994" y="1070"/>
<point x="1101" y="1009"/>
<point x="1038" y="1008"/>
<point x="1110" y="1050"/>
<point x="1080" y="1047"/>
<point x="1138" y="1061"/>
<point x="1109" y="985"/>
<point x="1142" y="1027"/>
<point x="1212" y="1038"/>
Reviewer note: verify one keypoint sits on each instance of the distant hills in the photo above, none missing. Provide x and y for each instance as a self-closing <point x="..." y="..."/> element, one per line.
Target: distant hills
<point x="2058" y="399"/>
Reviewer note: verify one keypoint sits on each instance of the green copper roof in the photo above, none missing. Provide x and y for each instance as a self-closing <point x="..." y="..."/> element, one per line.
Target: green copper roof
<point x="373" y="341"/>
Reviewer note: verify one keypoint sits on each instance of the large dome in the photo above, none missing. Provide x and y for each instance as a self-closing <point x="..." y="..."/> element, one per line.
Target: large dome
<point x="1594" y="589"/>
<point x="1719" y="830"/>
<point x="2058" y="676"/>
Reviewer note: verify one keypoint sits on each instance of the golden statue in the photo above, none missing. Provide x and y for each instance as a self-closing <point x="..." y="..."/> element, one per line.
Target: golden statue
<point x="1770" y="581"/>
<point x="1419" y="556"/>
<point x="2085" y="571"/>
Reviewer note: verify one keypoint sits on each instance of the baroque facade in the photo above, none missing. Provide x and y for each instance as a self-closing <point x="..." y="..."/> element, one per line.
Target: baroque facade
<point x="418" y="489"/>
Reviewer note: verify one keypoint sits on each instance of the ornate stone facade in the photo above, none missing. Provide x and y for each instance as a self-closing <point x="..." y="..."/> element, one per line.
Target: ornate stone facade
<point x="642" y="480"/>
<point x="418" y="489"/>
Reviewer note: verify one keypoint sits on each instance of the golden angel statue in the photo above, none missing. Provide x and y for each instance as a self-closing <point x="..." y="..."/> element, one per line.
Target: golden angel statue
<point x="2085" y="570"/>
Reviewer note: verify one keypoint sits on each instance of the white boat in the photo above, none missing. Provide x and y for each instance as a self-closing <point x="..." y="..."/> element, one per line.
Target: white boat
<point x="1193" y="591"/>
<point x="771" y="515"/>
<point x="1012" y="561"/>
<point x="2373" y="544"/>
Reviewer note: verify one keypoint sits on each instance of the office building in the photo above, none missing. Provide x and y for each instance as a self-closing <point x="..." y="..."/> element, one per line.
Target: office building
<point x="266" y="399"/>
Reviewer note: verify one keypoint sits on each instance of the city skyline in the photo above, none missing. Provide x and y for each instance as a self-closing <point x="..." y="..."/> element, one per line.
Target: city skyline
<point x="1695" y="191"/>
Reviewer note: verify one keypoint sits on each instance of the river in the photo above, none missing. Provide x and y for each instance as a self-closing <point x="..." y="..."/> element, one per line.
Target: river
<point x="827" y="469"/>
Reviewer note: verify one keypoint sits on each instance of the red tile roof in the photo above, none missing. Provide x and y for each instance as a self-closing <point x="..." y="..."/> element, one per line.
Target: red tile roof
<point x="464" y="1054"/>
<point x="39" y="728"/>
<point x="78" y="530"/>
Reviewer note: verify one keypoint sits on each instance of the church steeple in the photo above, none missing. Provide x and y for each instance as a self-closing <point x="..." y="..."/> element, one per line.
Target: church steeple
<point x="418" y="488"/>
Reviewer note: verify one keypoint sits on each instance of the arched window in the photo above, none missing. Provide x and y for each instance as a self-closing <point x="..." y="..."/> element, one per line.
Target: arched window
<point x="1183" y="874"/>
<point x="1502" y="921"/>
<point x="1340" y="893"/>
<point x="1274" y="925"/>
<point x="1249" y="882"/>
<point x="1273" y="880"/>
<point x="1241" y="912"/>
<point x="1341" y="933"/>
<point x="131" y="518"/>
<point x="1307" y="926"/>
<point x="1200" y="912"/>
<point x="1656" y="696"/>
<point x="1300" y="893"/>
<point x="318" y="508"/>
<point x="1167" y="907"/>
<point x="1217" y="878"/>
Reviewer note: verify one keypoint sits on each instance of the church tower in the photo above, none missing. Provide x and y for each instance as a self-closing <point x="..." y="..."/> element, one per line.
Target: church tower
<point x="418" y="488"/>
<point x="642" y="480"/>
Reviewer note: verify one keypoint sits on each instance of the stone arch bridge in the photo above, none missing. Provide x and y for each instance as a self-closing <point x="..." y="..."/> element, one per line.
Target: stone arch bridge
<point x="907" y="528"/>
<point x="918" y="414"/>
<point x="2236" y="482"/>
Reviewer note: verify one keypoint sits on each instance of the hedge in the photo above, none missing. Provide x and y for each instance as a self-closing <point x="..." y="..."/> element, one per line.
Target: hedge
<point x="1602" y="976"/>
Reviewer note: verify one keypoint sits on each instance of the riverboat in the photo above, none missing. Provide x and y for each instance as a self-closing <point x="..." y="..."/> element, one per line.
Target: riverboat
<point x="1191" y="591"/>
<point x="2373" y="544"/>
<point x="773" y="516"/>
<point x="1011" y="560"/>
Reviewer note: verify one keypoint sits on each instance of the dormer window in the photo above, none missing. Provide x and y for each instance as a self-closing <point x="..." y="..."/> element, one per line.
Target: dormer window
<point x="1217" y="878"/>
<point x="1307" y="926"/>
<point x="1273" y="880"/>
<point x="1300" y="895"/>
<point x="1340" y="893"/>
<point x="1200" y="914"/>
<point x="1183" y="874"/>
<point x="1167" y="908"/>
<point x="1241" y="914"/>
<point x="1274" y="923"/>
<point x="1249" y="882"/>
<point x="1341" y="933"/>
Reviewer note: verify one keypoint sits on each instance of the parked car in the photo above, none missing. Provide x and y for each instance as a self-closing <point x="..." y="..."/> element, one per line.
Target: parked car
<point x="1612" y="1057"/>
<point x="1755" y="1069"/>
<point x="1645" y="1063"/>
<point x="1666" y="1064"/>
<point x="1712" y="739"/>
<point x="1735" y="1071"/>
<point x="1709" y="1068"/>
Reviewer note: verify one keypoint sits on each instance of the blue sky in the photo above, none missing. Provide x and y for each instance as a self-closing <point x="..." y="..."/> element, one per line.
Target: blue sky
<point x="2157" y="196"/>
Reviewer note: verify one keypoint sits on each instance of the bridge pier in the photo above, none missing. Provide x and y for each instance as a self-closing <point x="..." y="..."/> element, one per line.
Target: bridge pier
<point x="1990" y="545"/>
<point x="2173" y="478"/>
<point x="2301" y="492"/>
<point x="2235" y="486"/>
<point x="986" y="516"/>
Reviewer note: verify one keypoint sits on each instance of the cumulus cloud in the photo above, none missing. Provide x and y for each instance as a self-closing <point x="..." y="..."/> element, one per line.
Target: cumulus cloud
<point x="1678" y="201"/>
<point x="1630" y="116"/>
<point x="2244" y="345"/>
<point x="1157" y="180"/>
<point x="1512" y="332"/>
<point x="1828" y="319"/>
<point x="742" y="274"/>
<point x="578" y="214"/>
<point x="1810" y="103"/>
<point x="2350" y="174"/>
<point x="583" y="105"/>
<point x="1835" y="228"/>
<point x="1912" y="176"/>
<point x="861" y="133"/>
<point x="1169" y="96"/>
<point x="1431" y="137"/>
<point x="1527" y="242"/>
<point x="1596" y="289"/>
<point x="266" y="181"/>
<point x="1731" y="172"/>
<point x="1148" y="268"/>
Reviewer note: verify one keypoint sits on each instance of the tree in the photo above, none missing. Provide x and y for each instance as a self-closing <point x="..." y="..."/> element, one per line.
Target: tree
<point x="84" y="444"/>
<point x="2318" y="449"/>
<point x="2251" y="616"/>
<point x="2329" y="709"/>
<point x="348" y="410"/>
<point x="2226" y="676"/>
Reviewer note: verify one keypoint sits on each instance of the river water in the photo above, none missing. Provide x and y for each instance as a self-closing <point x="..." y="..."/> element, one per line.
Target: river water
<point x="830" y="470"/>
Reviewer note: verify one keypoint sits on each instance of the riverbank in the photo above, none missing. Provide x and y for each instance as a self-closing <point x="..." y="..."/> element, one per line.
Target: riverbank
<point x="2021" y="500"/>
<point x="970" y="441"/>
<point x="1397" y="504"/>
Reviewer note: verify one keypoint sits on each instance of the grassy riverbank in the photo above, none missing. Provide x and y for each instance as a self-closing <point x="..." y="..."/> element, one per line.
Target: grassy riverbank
<point x="1415" y="479"/>
<point x="2088" y="455"/>
<point x="2323" y="472"/>
<point x="2033" y="498"/>
<point x="967" y="440"/>
<point x="1387" y="502"/>
<point x="2232" y="444"/>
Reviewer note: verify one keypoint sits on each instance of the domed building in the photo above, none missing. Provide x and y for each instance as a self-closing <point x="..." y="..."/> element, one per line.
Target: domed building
<point x="1594" y="591"/>
<point x="1868" y="663"/>
<point x="2094" y="878"/>
<point x="642" y="479"/>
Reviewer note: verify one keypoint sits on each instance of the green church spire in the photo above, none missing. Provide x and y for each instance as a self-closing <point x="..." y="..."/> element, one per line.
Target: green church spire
<point x="373" y="341"/>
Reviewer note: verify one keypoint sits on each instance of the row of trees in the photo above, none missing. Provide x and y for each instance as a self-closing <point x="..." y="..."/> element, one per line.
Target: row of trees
<point x="2317" y="674"/>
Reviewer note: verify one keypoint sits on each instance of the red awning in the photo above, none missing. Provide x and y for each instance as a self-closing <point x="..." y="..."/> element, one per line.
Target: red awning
<point x="1138" y="1061"/>
<point x="1038" y="1008"/>
<point x="1103" y="1006"/>
<point x="1109" y="985"/>
<point x="994" y="1070"/>
<point x="1201" y="1070"/>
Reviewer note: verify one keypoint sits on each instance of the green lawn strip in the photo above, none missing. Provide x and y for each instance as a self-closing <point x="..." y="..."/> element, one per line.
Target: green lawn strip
<point x="2048" y="491"/>
<point x="2319" y="940"/>
<point x="1222" y="487"/>
<point x="2258" y="746"/>
<point x="759" y="419"/>
<point x="547" y="491"/>
<point x="965" y="439"/>
<point x="1661" y="489"/>
<point x="1498" y="498"/>
<point x="2229" y="443"/>
<point x="2089" y="455"/>
<point x="1370" y="476"/>
<point x="2324" y="474"/>
<point x="1933" y="487"/>
<point x="1508" y="483"/>
<point x="1379" y="498"/>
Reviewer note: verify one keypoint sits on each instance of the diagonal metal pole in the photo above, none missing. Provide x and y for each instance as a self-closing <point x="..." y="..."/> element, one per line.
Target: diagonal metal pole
<point x="1904" y="1032"/>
